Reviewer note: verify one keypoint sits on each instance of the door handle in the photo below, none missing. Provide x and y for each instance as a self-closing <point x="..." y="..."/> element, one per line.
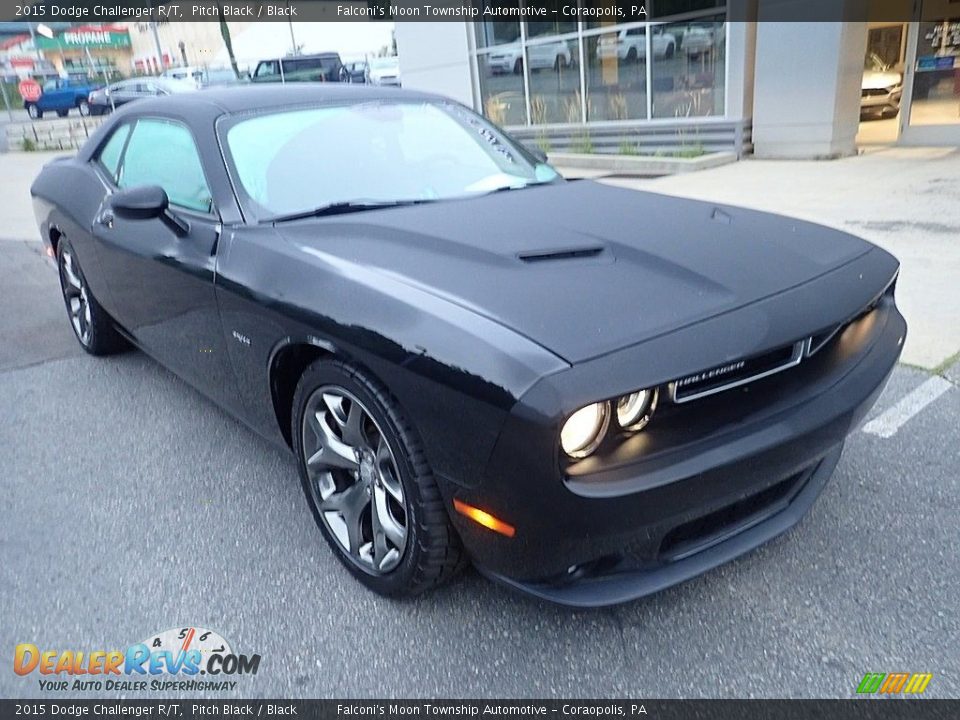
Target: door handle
<point x="106" y="218"/>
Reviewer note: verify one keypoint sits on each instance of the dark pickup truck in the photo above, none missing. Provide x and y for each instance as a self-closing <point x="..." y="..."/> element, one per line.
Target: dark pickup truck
<point x="61" y="96"/>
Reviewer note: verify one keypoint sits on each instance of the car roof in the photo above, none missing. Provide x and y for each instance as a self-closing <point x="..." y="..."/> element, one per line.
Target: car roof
<point x="265" y="96"/>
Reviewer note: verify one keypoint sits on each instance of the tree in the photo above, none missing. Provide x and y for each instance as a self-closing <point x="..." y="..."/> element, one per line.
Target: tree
<point x="227" y="39"/>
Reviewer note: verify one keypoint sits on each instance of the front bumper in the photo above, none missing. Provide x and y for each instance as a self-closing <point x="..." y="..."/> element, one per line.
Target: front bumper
<point x="632" y="530"/>
<point x="727" y="543"/>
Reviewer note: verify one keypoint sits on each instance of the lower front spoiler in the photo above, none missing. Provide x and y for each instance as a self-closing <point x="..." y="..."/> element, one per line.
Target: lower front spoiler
<point x="624" y="586"/>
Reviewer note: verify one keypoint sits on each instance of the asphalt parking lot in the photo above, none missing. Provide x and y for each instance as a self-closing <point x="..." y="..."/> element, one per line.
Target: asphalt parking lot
<point x="132" y="505"/>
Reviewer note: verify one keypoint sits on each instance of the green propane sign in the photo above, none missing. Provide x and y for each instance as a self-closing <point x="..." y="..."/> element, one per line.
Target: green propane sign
<point x="86" y="38"/>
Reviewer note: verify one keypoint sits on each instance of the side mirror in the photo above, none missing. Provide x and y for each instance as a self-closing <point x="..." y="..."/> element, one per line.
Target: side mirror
<point x="140" y="203"/>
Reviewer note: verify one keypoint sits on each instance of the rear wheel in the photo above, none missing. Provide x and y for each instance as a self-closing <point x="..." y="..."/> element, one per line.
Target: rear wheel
<point x="83" y="107"/>
<point x="368" y="483"/>
<point x="91" y="324"/>
<point x="518" y="66"/>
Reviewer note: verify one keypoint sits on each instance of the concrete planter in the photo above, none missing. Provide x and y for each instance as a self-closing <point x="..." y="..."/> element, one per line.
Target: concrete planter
<point x="639" y="165"/>
<point x="67" y="133"/>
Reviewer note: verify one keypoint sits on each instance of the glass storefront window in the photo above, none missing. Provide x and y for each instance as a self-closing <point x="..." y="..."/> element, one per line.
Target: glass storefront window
<point x="490" y="33"/>
<point x="936" y="80"/>
<point x="541" y="65"/>
<point x="616" y="75"/>
<point x="545" y="29"/>
<point x="689" y="60"/>
<point x="555" y="95"/>
<point x="501" y="85"/>
<point x="607" y="13"/>
<point x="667" y="8"/>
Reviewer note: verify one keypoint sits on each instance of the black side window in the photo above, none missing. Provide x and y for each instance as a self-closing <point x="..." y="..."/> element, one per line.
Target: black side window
<point x="161" y="152"/>
<point x="267" y="68"/>
<point x="109" y="157"/>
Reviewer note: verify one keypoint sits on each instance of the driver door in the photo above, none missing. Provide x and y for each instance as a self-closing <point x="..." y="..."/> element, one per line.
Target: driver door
<point x="161" y="278"/>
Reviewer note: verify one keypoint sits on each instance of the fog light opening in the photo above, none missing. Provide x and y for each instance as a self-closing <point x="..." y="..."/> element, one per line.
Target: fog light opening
<point x="481" y="517"/>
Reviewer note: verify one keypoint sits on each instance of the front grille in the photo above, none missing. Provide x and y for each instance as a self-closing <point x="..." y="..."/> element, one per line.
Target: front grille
<point x="740" y="372"/>
<point x="703" y="532"/>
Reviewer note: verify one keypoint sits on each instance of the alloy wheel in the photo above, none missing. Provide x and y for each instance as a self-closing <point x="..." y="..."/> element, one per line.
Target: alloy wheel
<point x="75" y="294"/>
<point x="354" y="480"/>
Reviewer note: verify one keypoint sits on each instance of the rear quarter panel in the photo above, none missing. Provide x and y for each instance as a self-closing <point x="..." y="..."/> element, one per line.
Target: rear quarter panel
<point x="67" y="194"/>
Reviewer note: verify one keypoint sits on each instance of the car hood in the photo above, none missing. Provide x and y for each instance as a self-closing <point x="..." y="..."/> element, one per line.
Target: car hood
<point x="581" y="268"/>
<point x="876" y="79"/>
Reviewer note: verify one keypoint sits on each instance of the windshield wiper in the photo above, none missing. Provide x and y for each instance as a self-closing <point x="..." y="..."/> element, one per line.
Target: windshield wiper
<point x="347" y="206"/>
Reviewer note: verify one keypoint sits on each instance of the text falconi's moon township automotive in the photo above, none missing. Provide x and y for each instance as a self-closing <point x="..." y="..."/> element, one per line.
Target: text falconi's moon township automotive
<point x="464" y="11"/>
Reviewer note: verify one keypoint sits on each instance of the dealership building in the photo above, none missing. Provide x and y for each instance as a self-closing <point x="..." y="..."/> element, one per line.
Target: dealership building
<point x="694" y="76"/>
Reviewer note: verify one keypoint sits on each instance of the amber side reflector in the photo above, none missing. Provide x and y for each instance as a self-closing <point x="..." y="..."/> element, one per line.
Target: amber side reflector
<point x="484" y="518"/>
<point x="50" y="252"/>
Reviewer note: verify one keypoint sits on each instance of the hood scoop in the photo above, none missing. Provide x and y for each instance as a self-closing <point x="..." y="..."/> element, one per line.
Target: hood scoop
<point x="569" y="253"/>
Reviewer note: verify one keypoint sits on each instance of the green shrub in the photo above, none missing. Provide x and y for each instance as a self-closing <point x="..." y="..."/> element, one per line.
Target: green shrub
<point x="582" y="143"/>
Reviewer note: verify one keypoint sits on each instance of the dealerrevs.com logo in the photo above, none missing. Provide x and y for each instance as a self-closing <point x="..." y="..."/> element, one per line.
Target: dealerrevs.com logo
<point x="185" y="659"/>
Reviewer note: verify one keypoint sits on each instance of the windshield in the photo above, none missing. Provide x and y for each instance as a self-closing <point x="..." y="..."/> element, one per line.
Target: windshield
<point x="294" y="161"/>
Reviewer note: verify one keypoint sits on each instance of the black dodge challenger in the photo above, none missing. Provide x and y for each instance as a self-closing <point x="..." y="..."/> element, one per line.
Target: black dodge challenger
<point x="590" y="393"/>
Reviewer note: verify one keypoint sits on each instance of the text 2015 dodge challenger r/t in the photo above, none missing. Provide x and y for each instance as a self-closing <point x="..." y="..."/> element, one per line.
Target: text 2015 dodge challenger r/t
<point x="591" y="393"/>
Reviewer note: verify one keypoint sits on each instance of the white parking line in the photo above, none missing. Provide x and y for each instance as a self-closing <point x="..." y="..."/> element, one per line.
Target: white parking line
<point x="892" y="419"/>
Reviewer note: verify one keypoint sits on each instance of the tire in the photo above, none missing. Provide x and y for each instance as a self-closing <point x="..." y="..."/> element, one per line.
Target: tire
<point x="62" y="113"/>
<point x="34" y="112"/>
<point x="518" y="67"/>
<point x="668" y="54"/>
<point x="327" y="396"/>
<point x="560" y="63"/>
<point x="632" y="55"/>
<point x="91" y="325"/>
<point x="83" y="107"/>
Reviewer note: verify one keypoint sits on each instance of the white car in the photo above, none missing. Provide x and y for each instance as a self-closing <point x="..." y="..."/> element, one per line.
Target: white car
<point x="186" y="72"/>
<point x="509" y="58"/>
<point x="699" y="40"/>
<point x="383" y="71"/>
<point x="630" y="45"/>
<point x="881" y="87"/>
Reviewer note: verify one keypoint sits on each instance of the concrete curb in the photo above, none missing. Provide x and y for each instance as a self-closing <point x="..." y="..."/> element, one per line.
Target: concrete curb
<point x="640" y="165"/>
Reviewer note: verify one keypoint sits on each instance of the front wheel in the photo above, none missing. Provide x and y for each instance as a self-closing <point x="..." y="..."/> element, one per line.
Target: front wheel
<point x="83" y="107"/>
<point x="34" y="112"/>
<point x="91" y="324"/>
<point x="368" y="483"/>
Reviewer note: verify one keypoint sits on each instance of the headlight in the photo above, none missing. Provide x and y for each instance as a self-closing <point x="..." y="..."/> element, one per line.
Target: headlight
<point x="583" y="431"/>
<point x="634" y="410"/>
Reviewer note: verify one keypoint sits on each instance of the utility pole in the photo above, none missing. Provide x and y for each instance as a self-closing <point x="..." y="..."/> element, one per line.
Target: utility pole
<point x="293" y="40"/>
<point x="33" y="39"/>
<point x="156" y="41"/>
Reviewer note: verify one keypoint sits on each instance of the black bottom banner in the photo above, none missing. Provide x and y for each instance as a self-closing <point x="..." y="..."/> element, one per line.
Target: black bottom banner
<point x="359" y="709"/>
